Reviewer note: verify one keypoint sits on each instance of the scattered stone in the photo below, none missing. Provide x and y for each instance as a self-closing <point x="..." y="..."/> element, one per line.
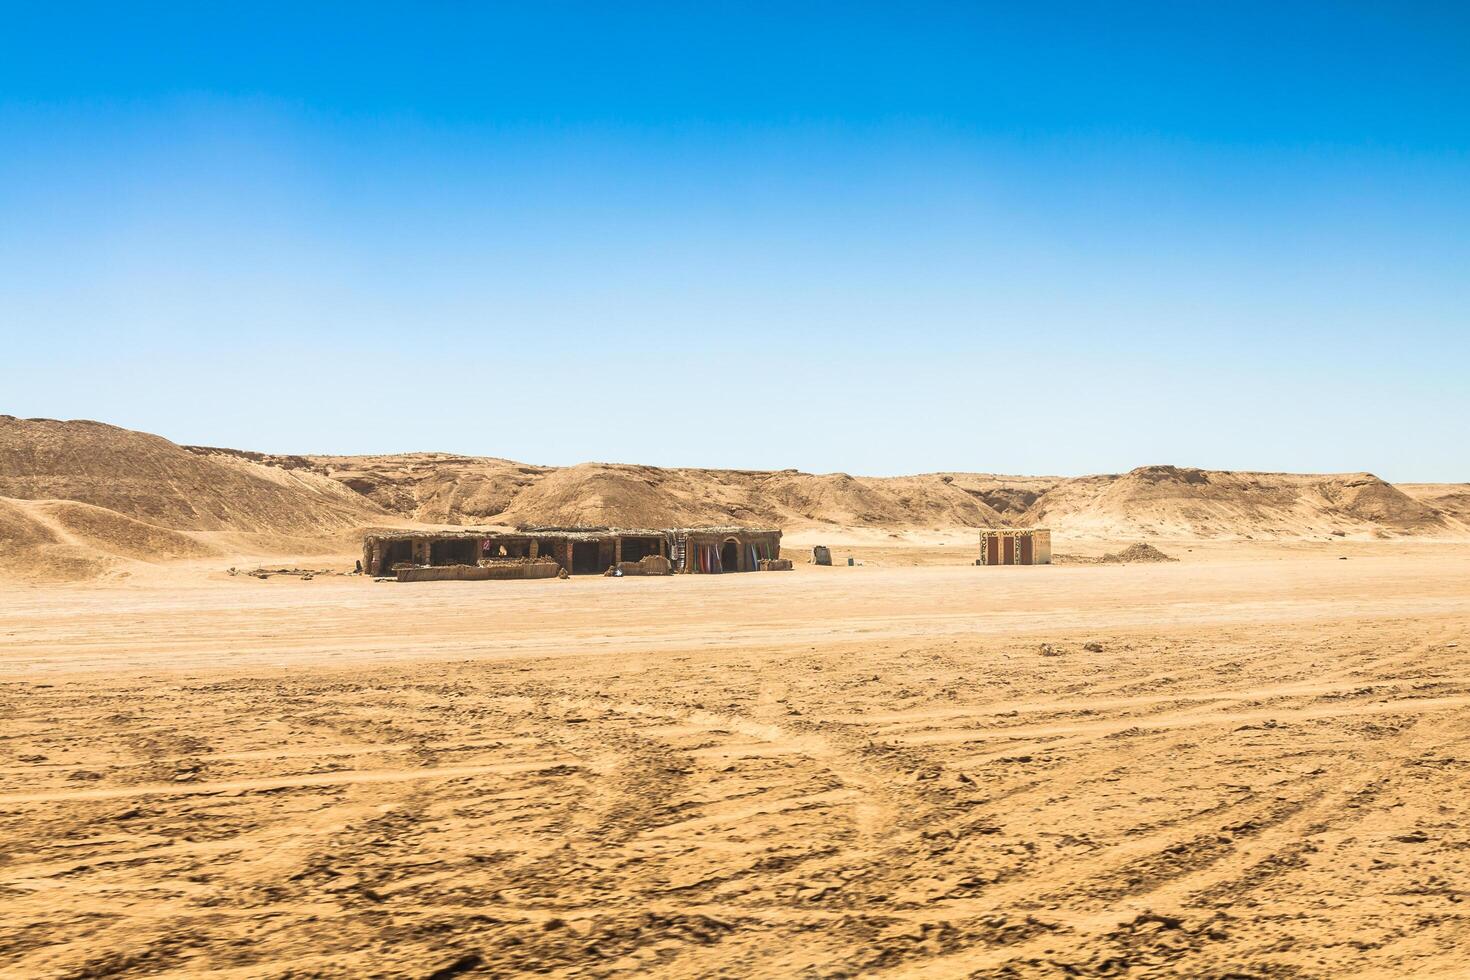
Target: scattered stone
<point x="1093" y="647"/>
<point x="1133" y="553"/>
<point x="305" y="574"/>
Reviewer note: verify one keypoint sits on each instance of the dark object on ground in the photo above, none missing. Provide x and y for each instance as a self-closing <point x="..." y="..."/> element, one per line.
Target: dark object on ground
<point x="1093" y="647"/>
<point x="821" y="555"/>
<point x="464" y="964"/>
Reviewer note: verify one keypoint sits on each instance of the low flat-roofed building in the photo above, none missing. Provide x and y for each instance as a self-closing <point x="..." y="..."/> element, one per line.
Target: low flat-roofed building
<point x="579" y="550"/>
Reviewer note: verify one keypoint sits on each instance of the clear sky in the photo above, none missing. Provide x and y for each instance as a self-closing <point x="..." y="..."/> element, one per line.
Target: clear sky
<point x="1036" y="238"/>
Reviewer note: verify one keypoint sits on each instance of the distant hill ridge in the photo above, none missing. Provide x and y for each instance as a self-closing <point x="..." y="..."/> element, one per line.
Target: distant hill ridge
<point x="77" y="498"/>
<point x="1166" y="501"/>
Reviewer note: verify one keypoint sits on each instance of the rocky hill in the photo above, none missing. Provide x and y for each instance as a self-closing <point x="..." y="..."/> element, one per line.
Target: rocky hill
<point x="79" y="498"/>
<point x="447" y="489"/>
<point x="1163" y="501"/>
<point x="75" y="497"/>
<point x="1169" y="501"/>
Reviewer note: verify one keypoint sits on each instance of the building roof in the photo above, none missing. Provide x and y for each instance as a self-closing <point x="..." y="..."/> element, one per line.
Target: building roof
<point x="578" y="533"/>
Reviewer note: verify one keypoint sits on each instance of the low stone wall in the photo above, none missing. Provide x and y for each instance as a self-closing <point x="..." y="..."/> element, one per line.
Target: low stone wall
<point x="647" y="565"/>
<point x="775" y="564"/>
<point x="493" y="571"/>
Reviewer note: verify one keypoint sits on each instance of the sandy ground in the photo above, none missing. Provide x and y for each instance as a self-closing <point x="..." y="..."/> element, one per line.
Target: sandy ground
<point x="1259" y="767"/>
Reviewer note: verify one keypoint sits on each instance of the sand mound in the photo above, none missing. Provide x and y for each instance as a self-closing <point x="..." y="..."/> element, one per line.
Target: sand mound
<point x="1140" y="552"/>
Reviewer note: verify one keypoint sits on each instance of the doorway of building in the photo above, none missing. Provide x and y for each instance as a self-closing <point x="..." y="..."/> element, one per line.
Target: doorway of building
<point x="1027" y="550"/>
<point x="584" y="558"/>
<point x="730" y="556"/>
<point x="394" y="552"/>
<point x="1008" y="550"/>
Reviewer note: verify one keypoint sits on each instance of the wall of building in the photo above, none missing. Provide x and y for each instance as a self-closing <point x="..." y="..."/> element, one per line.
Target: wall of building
<point x="997" y="546"/>
<point x="580" y="553"/>
<point x="703" y="551"/>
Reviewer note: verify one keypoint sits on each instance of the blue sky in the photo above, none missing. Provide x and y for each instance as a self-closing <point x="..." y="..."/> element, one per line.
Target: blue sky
<point x="876" y="239"/>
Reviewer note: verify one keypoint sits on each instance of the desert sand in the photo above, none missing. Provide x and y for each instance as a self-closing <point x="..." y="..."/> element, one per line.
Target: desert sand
<point x="1254" y="761"/>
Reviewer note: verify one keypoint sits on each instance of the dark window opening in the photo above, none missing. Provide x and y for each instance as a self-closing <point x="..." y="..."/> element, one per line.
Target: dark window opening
<point x="509" y="549"/>
<point x="636" y="548"/>
<point x="454" y="552"/>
